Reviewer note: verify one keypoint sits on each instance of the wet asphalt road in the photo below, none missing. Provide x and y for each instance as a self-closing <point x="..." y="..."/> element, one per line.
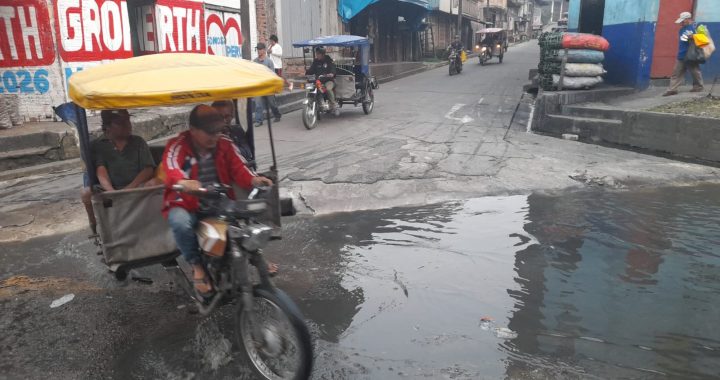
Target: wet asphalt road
<point x="586" y="285"/>
<point x="519" y="287"/>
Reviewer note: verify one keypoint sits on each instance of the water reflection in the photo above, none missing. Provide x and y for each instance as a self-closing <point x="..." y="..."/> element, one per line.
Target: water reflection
<point x="608" y="289"/>
<point x="607" y="285"/>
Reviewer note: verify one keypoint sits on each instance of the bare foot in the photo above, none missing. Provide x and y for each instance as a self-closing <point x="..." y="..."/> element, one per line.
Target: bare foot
<point x="273" y="269"/>
<point x="200" y="280"/>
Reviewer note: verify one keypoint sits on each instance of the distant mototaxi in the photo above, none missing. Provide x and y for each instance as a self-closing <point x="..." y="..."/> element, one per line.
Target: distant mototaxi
<point x="491" y="42"/>
<point x="353" y="82"/>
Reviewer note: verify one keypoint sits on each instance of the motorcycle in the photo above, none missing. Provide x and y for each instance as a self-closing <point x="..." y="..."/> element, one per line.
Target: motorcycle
<point x="269" y="326"/>
<point x="316" y="103"/>
<point x="354" y="85"/>
<point x="455" y="63"/>
<point x="487" y="52"/>
<point x="494" y="44"/>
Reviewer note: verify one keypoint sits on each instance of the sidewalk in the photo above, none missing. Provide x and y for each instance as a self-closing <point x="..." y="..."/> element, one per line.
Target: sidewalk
<point x="644" y="121"/>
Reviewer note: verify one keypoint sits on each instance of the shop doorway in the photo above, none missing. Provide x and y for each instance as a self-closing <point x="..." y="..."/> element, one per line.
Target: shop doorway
<point x="666" y="37"/>
<point x="592" y="16"/>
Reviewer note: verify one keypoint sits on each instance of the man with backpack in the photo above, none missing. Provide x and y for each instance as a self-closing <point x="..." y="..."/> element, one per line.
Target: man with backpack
<point x="683" y="65"/>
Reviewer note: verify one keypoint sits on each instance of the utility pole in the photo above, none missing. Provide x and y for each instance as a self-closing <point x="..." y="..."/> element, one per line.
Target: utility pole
<point x="487" y="12"/>
<point x="552" y="11"/>
<point x="562" y="2"/>
<point x="245" y="29"/>
<point x="459" y="21"/>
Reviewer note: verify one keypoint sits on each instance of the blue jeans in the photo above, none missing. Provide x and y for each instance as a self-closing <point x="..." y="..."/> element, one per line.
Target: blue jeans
<point x="183" y="225"/>
<point x="260" y="108"/>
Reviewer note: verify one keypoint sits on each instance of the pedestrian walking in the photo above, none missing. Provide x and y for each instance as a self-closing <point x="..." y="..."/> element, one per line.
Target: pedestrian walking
<point x="275" y="52"/>
<point x="687" y="30"/>
<point x="259" y="103"/>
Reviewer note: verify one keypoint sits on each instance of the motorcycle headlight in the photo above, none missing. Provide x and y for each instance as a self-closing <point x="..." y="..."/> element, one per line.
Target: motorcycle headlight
<point x="477" y="46"/>
<point x="484" y="48"/>
<point x="498" y="46"/>
<point x="310" y="86"/>
<point x="256" y="237"/>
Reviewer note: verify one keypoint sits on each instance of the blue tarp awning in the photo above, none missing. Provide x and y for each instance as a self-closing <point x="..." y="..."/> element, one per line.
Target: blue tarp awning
<point x="348" y="9"/>
<point x="341" y="40"/>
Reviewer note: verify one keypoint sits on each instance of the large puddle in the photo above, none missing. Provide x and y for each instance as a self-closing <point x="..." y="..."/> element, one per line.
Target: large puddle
<point x="589" y="285"/>
<point x="585" y="285"/>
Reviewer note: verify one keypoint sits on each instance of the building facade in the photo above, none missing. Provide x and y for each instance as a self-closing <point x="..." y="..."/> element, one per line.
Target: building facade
<point x="44" y="42"/>
<point x="643" y="35"/>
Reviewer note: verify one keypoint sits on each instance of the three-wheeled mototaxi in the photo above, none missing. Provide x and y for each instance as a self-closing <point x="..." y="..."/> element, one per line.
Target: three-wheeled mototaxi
<point x="491" y="42"/>
<point x="353" y="82"/>
<point x="133" y="233"/>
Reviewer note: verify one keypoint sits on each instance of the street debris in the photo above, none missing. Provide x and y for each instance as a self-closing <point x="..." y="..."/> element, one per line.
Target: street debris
<point x="62" y="300"/>
<point x="400" y="284"/>
<point x="604" y="181"/>
<point x="570" y="137"/>
<point x="505" y="333"/>
<point x="486" y="323"/>
<point x="143" y="280"/>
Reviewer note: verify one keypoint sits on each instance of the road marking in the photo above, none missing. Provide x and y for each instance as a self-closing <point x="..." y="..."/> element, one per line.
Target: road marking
<point x="465" y="119"/>
<point x="481" y="100"/>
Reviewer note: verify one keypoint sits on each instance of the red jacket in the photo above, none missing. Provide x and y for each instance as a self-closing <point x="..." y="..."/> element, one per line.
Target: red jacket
<point x="180" y="163"/>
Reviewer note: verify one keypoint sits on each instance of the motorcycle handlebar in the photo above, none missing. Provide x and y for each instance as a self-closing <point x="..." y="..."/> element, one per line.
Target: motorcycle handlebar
<point x="210" y="192"/>
<point x="181" y="188"/>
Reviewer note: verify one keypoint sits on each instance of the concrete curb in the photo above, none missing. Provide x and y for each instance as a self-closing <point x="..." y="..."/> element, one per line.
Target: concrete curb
<point x="52" y="167"/>
<point x="674" y="136"/>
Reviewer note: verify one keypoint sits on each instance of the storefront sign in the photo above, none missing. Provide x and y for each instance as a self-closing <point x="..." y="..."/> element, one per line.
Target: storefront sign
<point x="93" y="30"/>
<point x="25" y="34"/>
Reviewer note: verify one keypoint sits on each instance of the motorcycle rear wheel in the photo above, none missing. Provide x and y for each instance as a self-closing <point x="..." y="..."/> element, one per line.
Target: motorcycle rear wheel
<point x="310" y="115"/>
<point x="369" y="104"/>
<point x="273" y="307"/>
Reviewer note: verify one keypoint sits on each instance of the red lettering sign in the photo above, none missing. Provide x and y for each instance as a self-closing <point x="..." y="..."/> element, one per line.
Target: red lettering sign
<point x="180" y="26"/>
<point x="224" y="38"/>
<point x="93" y="30"/>
<point x="25" y="34"/>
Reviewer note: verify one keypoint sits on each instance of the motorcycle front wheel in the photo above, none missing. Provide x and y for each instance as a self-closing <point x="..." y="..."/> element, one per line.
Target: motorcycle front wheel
<point x="452" y="68"/>
<point x="281" y="347"/>
<point x="310" y="114"/>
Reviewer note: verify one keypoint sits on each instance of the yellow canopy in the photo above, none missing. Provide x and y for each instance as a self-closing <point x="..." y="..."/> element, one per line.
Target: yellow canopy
<point x="170" y="79"/>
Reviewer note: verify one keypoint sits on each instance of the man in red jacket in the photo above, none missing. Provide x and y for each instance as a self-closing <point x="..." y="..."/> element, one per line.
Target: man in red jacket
<point x="198" y="158"/>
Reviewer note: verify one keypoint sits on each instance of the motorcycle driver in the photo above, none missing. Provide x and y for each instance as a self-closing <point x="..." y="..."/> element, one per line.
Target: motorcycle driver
<point x="323" y="67"/>
<point x="198" y="158"/>
<point x="458" y="47"/>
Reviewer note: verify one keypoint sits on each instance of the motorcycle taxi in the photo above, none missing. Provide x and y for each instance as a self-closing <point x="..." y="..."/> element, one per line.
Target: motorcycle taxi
<point x="133" y="233"/>
<point x="353" y="82"/>
<point x="492" y="42"/>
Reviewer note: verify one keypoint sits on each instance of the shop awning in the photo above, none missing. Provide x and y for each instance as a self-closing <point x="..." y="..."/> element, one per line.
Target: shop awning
<point x="342" y="40"/>
<point x="348" y="9"/>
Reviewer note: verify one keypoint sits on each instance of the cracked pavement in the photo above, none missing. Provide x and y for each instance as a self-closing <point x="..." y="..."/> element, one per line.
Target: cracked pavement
<point x="431" y="138"/>
<point x="434" y="138"/>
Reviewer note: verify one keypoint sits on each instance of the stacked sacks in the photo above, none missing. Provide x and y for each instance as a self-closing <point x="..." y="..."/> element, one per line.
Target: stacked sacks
<point x="584" y="55"/>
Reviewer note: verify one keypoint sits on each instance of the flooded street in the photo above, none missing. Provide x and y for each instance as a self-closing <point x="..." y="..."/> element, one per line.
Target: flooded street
<point x="586" y="285"/>
<point x="582" y="285"/>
